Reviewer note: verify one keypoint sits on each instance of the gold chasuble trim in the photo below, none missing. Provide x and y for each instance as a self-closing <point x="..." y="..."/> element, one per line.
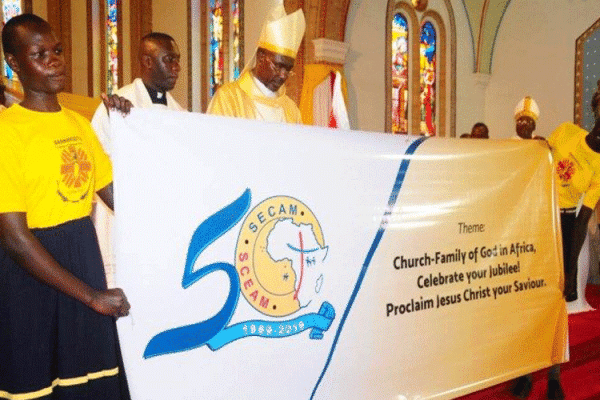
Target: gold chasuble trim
<point x="60" y="382"/>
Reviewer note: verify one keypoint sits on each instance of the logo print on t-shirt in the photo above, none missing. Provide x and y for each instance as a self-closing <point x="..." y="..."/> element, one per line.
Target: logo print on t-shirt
<point x="565" y="169"/>
<point x="75" y="172"/>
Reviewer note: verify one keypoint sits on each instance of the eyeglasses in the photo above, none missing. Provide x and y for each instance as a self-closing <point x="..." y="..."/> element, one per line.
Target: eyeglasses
<point x="280" y="69"/>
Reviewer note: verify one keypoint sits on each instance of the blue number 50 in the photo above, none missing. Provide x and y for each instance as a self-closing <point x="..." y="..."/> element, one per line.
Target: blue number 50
<point x="195" y="335"/>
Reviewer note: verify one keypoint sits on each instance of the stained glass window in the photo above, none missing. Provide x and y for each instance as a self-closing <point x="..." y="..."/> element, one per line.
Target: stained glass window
<point x="415" y="90"/>
<point x="10" y="8"/>
<point x="236" y="43"/>
<point x="220" y="55"/>
<point x="399" y="74"/>
<point x="112" y="75"/>
<point x="217" y="62"/>
<point x="428" y="78"/>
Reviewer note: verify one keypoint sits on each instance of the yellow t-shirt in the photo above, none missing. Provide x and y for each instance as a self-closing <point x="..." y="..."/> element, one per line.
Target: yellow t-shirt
<point x="576" y="167"/>
<point x="51" y="164"/>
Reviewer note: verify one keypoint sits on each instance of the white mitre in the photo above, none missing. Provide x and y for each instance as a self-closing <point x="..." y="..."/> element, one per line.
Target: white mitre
<point x="527" y="107"/>
<point x="282" y="33"/>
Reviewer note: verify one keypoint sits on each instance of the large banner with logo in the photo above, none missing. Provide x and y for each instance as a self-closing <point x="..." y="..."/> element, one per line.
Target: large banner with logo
<point x="269" y="261"/>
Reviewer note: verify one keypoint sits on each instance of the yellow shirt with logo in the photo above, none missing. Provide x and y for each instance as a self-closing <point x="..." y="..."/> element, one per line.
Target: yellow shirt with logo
<point x="51" y="164"/>
<point x="577" y="167"/>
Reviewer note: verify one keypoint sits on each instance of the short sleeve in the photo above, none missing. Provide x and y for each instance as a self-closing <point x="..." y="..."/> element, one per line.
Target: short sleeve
<point x="102" y="164"/>
<point x="11" y="173"/>
<point x="555" y="136"/>
<point x="101" y="127"/>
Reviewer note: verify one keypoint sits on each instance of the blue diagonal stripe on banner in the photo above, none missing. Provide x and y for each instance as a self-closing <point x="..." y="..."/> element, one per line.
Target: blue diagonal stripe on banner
<point x="384" y="220"/>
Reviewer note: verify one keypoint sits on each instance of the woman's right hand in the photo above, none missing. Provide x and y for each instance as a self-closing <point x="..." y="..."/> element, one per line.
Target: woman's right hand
<point x="111" y="302"/>
<point x="116" y="102"/>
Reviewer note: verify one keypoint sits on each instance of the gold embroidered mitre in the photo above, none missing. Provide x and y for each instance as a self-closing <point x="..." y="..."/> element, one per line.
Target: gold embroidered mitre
<point x="527" y="107"/>
<point x="282" y="33"/>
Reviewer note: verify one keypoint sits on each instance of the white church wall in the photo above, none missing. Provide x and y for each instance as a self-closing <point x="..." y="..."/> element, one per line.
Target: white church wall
<point x="470" y="87"/>
<point x="535" y="55"/>
<point x="364" y="68"/>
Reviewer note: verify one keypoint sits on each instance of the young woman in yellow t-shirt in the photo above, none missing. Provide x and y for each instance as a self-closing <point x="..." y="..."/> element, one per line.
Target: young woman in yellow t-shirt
<point x="57" y="318"/>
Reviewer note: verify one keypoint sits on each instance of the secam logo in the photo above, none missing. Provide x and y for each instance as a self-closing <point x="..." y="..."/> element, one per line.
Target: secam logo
<point x="280" y="256"/>
<point x="279" y="260"/>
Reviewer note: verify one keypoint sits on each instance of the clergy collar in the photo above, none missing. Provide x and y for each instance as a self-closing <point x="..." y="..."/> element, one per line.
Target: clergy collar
<point x="157" y="97"/>
<point x="263" y="89"/>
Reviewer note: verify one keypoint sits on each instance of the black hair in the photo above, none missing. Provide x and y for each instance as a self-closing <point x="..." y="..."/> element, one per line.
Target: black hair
<point x="157" y="36"/>
<point x="10" y="35"/>
<point x="478" y="124"/>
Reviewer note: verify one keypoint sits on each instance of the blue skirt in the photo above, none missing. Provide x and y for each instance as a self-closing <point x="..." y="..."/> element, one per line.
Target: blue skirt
<point x="51" y="345"/>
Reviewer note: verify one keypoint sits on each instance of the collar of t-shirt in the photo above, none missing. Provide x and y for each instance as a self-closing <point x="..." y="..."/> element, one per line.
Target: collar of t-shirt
<point x="157" y="97"/>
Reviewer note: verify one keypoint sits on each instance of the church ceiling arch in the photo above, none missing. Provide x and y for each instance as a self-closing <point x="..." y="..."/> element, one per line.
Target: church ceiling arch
<point x="484" y="17"/>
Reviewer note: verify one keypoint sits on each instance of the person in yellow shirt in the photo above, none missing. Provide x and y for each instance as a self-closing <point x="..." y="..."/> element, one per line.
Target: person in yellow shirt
<point x="259" y="92"/>
<point x="577" y="168"/>
<point x="57" y="318"/>
<point x="576" y="158"/>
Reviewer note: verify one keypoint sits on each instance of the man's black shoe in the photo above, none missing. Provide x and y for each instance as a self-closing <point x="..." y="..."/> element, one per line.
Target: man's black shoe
<point x="522" y="387"/>
<point x="555" y="391"/>
<point x="571" y="296"/>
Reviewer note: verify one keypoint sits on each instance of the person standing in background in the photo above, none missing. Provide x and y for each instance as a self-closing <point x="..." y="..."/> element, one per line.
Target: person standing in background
<point x="159" y="63"/>
<point x="259" y="93"/>
<point x="479" y="131"/>
<point x="526" y="114"/>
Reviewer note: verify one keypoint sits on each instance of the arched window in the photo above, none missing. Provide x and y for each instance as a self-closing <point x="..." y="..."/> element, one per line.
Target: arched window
<point x="10" y="8"/>
<point x="400" y="55"/>
<point x="220" y="54"/>
<point x="112" y="46"/>
<point x="105" y="45"/>
<point x="236" y="43"/>
<point x="216" y="58"/>
<point x="428" y="78"/>
<point x="416" y="79"/>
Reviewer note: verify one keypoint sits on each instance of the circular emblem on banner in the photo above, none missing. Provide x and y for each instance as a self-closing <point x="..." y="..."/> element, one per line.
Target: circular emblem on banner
<point x="75" y="171"/>
<point x="278" y="256"/>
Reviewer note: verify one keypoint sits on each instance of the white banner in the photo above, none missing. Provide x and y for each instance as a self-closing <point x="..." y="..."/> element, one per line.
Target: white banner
<point x="268" y="261"/>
